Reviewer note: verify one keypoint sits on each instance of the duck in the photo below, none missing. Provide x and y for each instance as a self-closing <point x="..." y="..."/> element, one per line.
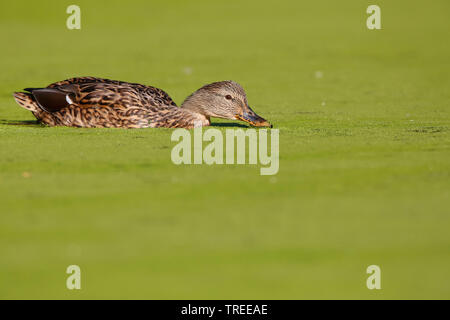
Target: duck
<point x="90" y="102"/>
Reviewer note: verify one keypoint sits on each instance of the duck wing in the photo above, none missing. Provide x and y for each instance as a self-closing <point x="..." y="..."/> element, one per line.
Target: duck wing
<point x="88" y="92"/>
<point x="160" y="97"/>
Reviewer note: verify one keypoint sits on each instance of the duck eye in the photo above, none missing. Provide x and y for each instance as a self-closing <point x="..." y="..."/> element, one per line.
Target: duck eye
<point x="228" y="97"/>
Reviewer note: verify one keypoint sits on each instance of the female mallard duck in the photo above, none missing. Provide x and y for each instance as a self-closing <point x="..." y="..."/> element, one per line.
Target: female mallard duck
<point x="98" y="103"/>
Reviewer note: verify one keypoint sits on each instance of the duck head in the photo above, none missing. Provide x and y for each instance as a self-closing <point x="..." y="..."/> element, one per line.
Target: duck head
<point x="226" y="100"/>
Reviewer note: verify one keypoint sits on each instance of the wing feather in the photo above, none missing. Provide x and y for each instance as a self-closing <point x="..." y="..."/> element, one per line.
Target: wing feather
<point x="146" y="94"/>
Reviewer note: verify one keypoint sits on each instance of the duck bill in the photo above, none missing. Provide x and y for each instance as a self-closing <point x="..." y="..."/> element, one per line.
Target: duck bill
<point x="252" y="118"/>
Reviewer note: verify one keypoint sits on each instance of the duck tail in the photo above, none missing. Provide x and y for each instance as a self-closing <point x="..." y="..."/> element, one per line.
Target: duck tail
<point x="26" y="100"/>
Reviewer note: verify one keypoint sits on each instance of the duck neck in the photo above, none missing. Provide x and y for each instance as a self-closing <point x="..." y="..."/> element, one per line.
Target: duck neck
<point x="193" y="107"/>
<point x="194" y="118"/>
<point x="197" y="111"/>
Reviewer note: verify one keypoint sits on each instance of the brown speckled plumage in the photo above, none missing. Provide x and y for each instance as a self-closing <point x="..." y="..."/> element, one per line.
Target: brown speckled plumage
<point x="101" y="103"/>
